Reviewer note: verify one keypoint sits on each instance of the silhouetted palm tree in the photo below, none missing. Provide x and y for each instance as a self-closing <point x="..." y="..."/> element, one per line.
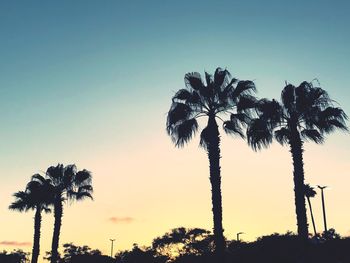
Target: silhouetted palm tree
<point x="69" y="184"/>
<point x="220" y="96"/>
<point x="309" y="193"/>
<point x="37" y="196"/>
<point x="306" y="113"/>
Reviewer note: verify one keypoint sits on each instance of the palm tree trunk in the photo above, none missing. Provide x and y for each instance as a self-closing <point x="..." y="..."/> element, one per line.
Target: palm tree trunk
<point x="296" y="148"/>
<point x="58" y="212"/>
<point x="215" y="180"/>
<point x="36" y="241"/>
<point x="312" y="216"/>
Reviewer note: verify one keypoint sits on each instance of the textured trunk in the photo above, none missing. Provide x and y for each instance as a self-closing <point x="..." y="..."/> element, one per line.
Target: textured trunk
<point x="215" y="180"/>
<point x="58" y="211"/>
<point x="36" y="241"/>
<point x="312" y="216"/>
<point x="296" y="148"/>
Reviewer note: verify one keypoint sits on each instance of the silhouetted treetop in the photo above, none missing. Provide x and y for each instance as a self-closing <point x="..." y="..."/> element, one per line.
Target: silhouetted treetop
<point x="219" y="95"/>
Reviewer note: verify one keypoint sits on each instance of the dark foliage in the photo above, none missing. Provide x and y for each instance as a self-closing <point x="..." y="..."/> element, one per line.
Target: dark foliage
<point x="16" y="256"/>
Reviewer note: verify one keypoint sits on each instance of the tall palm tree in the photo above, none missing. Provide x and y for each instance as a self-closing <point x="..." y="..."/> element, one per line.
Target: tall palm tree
<point x="306" y="113"/>
<point x="69" y="185"/>
<point x="37" y="196"/>
<point x="310" y="193"/>
<point x="221" y="96"/>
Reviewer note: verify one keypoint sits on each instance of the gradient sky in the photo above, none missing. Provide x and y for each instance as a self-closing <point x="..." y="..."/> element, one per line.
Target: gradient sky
<point x="90" y="82"/>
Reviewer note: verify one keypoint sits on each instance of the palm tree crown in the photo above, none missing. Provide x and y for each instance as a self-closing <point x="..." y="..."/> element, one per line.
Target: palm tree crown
<point x="70" y="184"/>
<point x="305" y="109"/>
<point x="309" y="191"/>
<point x="221" y="95"/>
<point x="37" y="195"/>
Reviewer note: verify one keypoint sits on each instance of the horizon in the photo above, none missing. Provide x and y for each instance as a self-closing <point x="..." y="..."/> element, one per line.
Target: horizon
<point x="91" y="84"/>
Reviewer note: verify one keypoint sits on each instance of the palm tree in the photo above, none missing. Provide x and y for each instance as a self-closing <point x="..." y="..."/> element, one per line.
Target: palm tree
<point x="309" y="193"/>
<point x="219" y="97"/>
<point x="306" y="113"/>
<point x="68" y="184"/>
<point x="37" y="196"/>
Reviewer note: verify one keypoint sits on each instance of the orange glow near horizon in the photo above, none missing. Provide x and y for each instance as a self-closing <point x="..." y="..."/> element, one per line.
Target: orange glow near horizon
<point x="147" y="200"/>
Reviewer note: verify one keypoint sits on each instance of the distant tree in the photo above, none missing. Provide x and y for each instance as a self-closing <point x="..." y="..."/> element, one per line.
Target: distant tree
<point x="310" y="193"/>
<point x="68" y="184"/>
<point x="219" y="97"/>
<point x="73" y="253"/>
<point x="181" y="241"/>
<point x="16" y="256"/>
<point x="137" y="254"/>
<point x="330" y="234"/>
<point x="37" y="196"/>
<point x="306" y="113"/>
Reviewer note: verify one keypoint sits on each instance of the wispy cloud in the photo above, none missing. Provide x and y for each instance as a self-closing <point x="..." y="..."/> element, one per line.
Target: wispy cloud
<point x="121" y="220"/>
<point x="15" y="243"/>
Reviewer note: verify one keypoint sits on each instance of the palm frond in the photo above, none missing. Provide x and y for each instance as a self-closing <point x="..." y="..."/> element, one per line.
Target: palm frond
<point x="178" y="112"/>
<point x="194" y="81"/>
<point x="288" y="97"/>
<point x="208" y="79"/>
<point x="282" y="135"/>
<point x="246" y="102"/>
<point x="221" y="78"/>
<point x="271" y="110"/>
<point x="259" y="134"/>
<point x="330" y="119"/>
<point x="55" y="172"/>
<point x="240" y="117"/>
<point x="183" y="132"/>
<point x="83" y="195"/>
<point x="22" y="202"/>
<point x="182" y="94"/>
<point x="83" y="178"/>
<point x="234" y="128"/>
<point x="243" y="87"/>
<point x="312" y="134"/>
<point x="39" y="178"/>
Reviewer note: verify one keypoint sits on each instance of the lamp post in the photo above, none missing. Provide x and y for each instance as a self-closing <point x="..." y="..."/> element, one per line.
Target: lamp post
<point x="323" y="207"/>
<point x="112" y="241"/>
<point x="238" y="234"/>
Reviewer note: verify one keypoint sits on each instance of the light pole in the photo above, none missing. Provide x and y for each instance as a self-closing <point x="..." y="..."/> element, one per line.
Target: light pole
<point x="238" y="234"/>
<point x="112" y="241"/>
<point x="323" y="207"/>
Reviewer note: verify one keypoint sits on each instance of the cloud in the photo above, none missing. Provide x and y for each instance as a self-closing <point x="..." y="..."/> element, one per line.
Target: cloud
<point x="121" y="220"/>
<point x="15" y="243"/>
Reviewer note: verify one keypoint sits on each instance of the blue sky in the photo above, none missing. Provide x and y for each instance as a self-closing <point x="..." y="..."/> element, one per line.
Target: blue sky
<point x="83" y="79"/>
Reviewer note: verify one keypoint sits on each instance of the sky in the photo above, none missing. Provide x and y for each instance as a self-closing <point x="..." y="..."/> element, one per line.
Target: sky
<point x="90" y="83"/>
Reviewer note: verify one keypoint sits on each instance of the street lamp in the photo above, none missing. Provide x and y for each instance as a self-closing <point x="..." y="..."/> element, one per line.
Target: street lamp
<point x="112" y="240"/>
<point x="323" y="207"/>
<point x="238" y="234"/>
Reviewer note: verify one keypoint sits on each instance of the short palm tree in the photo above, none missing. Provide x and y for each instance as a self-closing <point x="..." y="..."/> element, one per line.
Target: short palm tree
<point x="310" y="193"/>
<point x="37" y="196"/>
<point x="69" y="185"/>
<point x="306" y="113"/>
<point x="221" y="96"/>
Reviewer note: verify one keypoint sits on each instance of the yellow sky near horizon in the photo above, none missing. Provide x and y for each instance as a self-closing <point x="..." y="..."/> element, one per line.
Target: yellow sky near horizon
<point x="158" y="187"/>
